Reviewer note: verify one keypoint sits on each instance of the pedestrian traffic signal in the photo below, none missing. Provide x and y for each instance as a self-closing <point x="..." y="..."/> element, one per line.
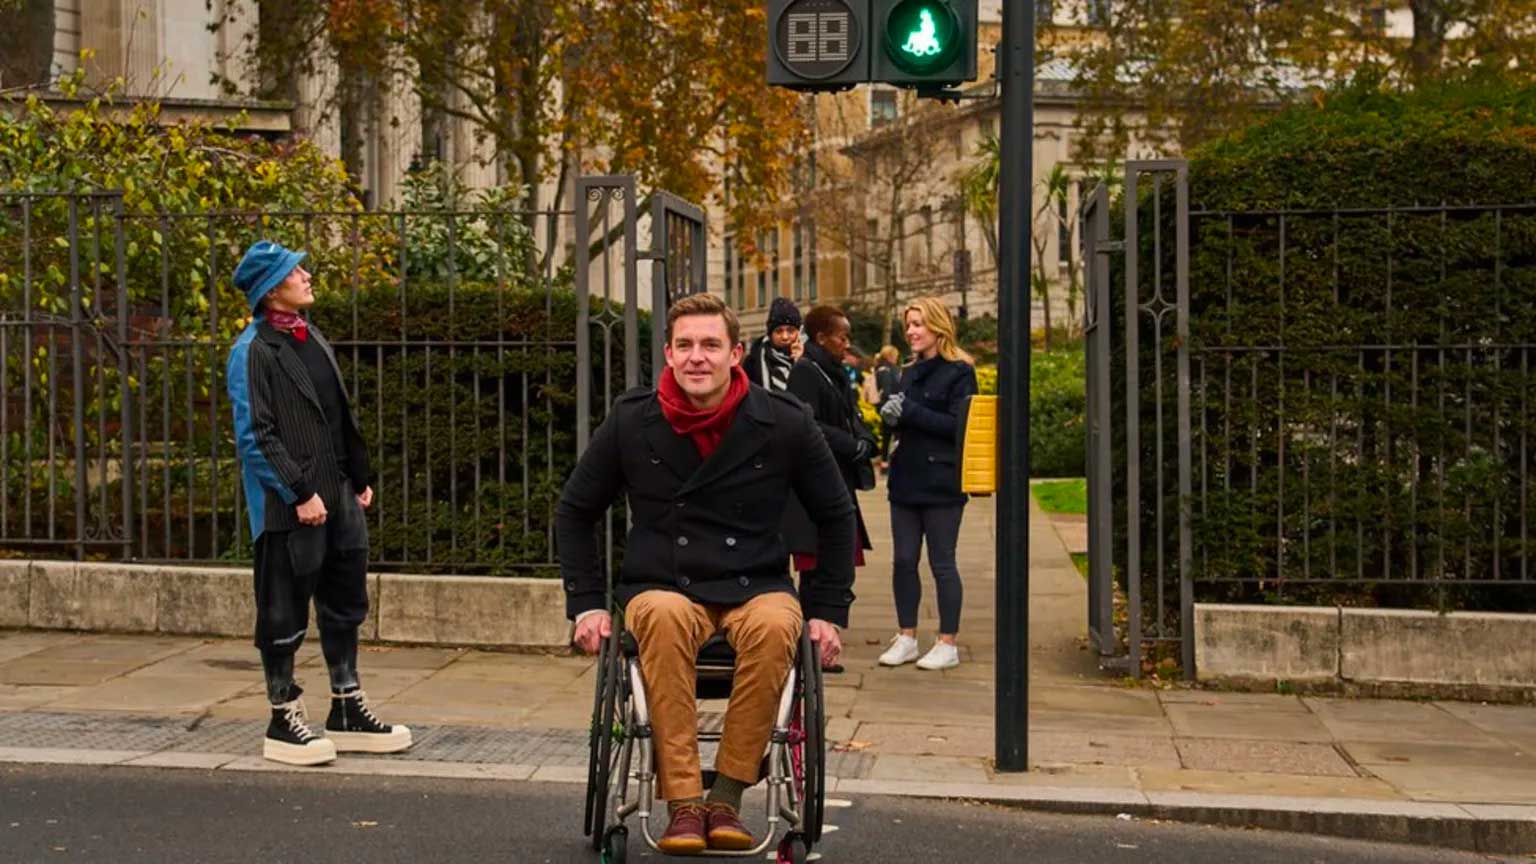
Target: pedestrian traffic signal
<point x="835" y="44"/>
<point x="928" y="44"/>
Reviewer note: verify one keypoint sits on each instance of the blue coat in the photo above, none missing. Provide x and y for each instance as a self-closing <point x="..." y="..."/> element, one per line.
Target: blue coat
<point x="922" y="472"/>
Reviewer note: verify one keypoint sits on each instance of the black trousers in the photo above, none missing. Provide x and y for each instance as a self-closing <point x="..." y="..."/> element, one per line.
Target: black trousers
<point x="940" y="526"/>
<point x="324" y="563"/>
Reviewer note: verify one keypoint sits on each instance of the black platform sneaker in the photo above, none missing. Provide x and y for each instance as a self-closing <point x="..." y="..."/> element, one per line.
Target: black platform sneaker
<point x="355" y="729"/>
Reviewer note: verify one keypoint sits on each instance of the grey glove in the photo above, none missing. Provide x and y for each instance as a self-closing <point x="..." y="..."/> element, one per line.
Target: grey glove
<point x="861" y="450"/>
<point x="890" y="412"/>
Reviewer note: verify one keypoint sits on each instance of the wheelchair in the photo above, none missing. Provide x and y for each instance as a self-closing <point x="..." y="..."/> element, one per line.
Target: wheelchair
<point x="621" y="772"/>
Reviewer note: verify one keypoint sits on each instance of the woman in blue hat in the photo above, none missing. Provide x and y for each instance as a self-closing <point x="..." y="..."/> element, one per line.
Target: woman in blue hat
<point x="306" y="476"/>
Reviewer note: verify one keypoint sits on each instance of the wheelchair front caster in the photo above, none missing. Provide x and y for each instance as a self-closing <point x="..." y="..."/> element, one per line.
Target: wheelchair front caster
<point x="616" y="845"/>
<point x="792" y="849"/>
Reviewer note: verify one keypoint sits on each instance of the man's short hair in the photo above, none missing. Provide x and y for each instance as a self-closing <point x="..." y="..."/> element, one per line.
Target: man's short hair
<point x="823" y="319"/>
<point x="704" y="304"/>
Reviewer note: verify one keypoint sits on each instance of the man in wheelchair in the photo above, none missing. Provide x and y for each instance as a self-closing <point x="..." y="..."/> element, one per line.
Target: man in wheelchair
<point x="707" y="463"/>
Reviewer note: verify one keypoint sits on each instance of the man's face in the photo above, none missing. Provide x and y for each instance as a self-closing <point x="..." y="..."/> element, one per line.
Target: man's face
<point x="293" y="293"/>
<point x="701" y="356"/>
<point x="785" y="335"/>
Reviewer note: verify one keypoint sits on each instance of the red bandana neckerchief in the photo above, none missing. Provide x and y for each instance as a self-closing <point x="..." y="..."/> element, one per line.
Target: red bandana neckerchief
<point x="706" y="427"/>
<point x="291" y="323"/>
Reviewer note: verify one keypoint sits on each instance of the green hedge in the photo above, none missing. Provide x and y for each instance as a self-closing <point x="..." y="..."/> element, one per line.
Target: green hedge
<point x="1336" y="470"/>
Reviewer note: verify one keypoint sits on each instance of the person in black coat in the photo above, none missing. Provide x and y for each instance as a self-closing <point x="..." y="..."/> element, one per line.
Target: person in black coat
<point x="818" y="380"/>
<point x="773" y="354"/>
<point x="707" y="462"/>
<point x="924" y="485"/>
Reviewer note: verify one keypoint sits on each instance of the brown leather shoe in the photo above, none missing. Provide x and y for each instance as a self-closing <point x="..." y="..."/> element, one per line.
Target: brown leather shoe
<point x="685" y="833"/>
<point x="725" y="829"/>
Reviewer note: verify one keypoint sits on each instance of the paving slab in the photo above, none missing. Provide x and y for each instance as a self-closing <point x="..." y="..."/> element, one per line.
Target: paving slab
<point x="1110" y="701"/>
<point x="1394" y="720"/>
<point x="912" y="739"/>
<point x="20" y="697"/>
<point x="1263" y="783"/>
<point x="1514" y="724"/>
<point x="34" y="670"/>
<point x="1197" y="720"/>
<point x="20" y="643"/>
<point x="150" y="695"/>
<point x="207" y="761"/>
<point x="1070" y="776"/>
<point x="928" y="769"/>
<point x="896" y="706"/>
<point x="1446" y="772"/>
<point x="1084" y="748"/>
<point x="1112" y="724"/>
<point x="1275" y="757"/>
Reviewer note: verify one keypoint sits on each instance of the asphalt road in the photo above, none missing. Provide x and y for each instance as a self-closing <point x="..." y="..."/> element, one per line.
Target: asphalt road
<point x="121" y="815"/>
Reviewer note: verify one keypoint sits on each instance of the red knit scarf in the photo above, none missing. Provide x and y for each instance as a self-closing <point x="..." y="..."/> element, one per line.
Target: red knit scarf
<point x="705" y="426"/>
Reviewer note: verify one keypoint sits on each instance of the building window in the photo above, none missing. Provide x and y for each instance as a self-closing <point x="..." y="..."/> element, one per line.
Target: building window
<point x="985" y="127"/>
<point x="799" y="259"/>
<point x="1045" y="11"/>
<point x="730" y="269"/>
<point x="762" y="269"/>
<point x="882" y="107"/>
<point x="741" y="277"/>
<point x="810" y="254"/>
<point x="1098" y="13"/>
<point x="778" y="280"/>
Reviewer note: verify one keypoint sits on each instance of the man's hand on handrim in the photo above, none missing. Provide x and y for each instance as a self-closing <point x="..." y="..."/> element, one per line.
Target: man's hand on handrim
<point x="825" y="635"/>
<point x="591" y="629"/>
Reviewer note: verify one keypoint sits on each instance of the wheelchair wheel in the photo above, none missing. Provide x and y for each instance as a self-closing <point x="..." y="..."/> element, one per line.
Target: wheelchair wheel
<point x="813" y="761"/>
<point x="616" y="845"/>
<point x="600" y="742"/>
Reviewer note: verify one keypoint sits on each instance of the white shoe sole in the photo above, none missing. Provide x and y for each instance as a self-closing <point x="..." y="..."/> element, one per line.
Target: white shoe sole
<point x="937" y="667"/>
<point x="399" y="738"/>
<point x="886" y="661"/>
<point x="317" y="752"/>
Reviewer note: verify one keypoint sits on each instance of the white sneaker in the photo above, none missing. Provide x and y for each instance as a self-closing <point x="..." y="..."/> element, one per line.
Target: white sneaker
<point x="941" y="656"/>
<point x="903" y="650"/>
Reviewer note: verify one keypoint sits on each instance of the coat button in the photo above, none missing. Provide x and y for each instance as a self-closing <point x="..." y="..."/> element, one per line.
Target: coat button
<point x="744" y="581"/>
<point x="655" y="460"/>
<point x="570" y="586"/>
<point x="682" y="541"/>
<point x="682" y="581"/>
<point x="730" y="541"/>
<point x="682" y="504"/>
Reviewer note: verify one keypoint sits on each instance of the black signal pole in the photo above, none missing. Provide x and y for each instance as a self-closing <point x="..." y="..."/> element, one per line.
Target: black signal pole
<point x="1017" y="78"/>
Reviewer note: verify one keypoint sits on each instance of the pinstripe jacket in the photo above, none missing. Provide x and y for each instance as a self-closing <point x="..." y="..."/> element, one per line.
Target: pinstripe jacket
<point x="281" y="432"/>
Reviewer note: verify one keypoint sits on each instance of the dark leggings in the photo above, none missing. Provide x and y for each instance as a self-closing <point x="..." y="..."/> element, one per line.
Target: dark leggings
<point x="941" y="526"/>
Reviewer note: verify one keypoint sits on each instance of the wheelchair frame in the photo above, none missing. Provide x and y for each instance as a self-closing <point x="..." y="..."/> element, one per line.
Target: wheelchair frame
<point x="794" y="766"/>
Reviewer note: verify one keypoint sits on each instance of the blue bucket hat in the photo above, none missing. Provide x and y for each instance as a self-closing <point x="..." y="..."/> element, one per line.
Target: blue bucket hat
<point x="264" y="266"/>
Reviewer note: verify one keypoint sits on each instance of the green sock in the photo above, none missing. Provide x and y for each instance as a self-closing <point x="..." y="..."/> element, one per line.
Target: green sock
<point x="727" y="790"/>
<point x="673" y="805"/>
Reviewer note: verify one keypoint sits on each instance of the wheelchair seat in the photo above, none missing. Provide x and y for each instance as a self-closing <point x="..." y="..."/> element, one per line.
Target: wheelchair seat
<point x="716" y="664"/>
<point x="717" y="652"/>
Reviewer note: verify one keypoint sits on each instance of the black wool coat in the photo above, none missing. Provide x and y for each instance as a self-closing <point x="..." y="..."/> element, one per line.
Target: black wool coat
<point x="817" y="380"/>
<point x="708" y="529"/>
<point x="923" y="472"/>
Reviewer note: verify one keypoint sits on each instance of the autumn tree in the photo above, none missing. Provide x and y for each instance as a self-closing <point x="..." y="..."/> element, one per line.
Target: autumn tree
<point x="1197" y="69"/>
<point x="865" y="201"/>
<point x="669" y="90"/>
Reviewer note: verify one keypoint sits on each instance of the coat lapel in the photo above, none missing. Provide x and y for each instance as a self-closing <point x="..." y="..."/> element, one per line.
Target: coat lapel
<point x="748" y="435"/>
<point x="667" y="447"/>
<point x="290" y="364"/>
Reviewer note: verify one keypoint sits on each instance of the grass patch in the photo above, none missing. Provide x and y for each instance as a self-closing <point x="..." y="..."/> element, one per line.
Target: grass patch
<point x="1062" y="496"/>
<point x="1080" y="559"/>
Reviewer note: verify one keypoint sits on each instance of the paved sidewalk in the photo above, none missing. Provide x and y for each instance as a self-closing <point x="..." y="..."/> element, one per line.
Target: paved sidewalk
<point x="1095" y="744"/>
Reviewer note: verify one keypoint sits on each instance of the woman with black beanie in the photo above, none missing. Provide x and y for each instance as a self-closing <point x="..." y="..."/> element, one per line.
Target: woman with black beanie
<point x="771" y="355"/>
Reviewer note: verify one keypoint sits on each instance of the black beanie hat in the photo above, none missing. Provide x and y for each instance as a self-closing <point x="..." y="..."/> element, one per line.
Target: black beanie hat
<point x="783" y="313"/>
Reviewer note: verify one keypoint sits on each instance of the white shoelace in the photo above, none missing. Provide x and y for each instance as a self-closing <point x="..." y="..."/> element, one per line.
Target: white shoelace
<point x="293" y="714"/>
